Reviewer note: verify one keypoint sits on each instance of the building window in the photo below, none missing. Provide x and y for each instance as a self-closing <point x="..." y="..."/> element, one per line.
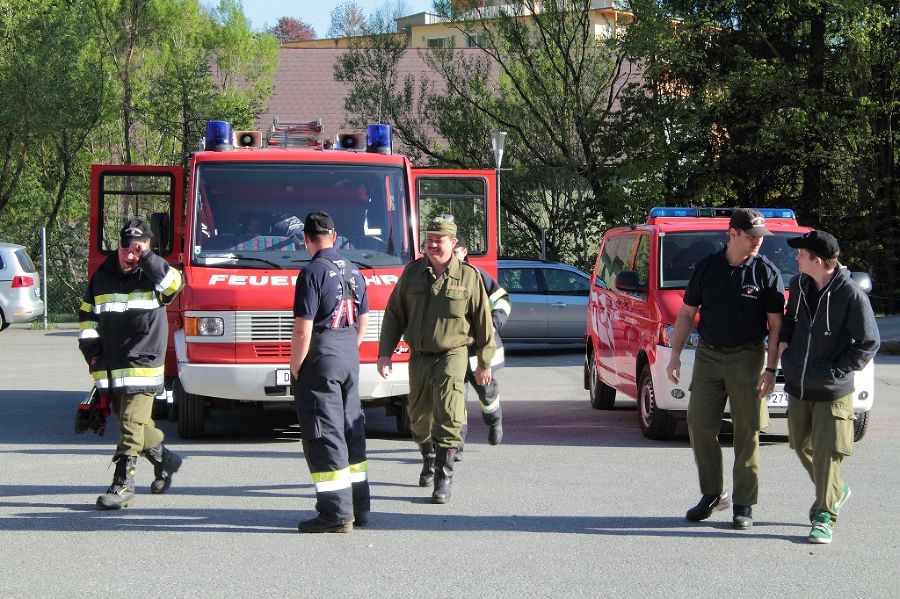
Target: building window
<point x="437" y="42"/>
<point x="476" y="41"/>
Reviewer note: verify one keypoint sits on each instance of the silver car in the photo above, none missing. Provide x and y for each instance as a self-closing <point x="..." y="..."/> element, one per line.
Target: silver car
<point x="549" y="301"/>
<point x="20" y="290"/>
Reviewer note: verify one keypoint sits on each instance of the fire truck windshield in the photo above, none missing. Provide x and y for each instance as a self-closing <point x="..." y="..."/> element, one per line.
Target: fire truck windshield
<point x="250" y="214"/>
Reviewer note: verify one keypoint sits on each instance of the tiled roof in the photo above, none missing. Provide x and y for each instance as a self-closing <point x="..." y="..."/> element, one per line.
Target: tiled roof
<point x="305" y="89"/>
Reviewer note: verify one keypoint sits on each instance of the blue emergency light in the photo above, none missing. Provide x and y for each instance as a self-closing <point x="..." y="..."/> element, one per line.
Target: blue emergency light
<point x="379" y="139"/>
<point x="218" y="135"/>
<point x="688" y="212"/>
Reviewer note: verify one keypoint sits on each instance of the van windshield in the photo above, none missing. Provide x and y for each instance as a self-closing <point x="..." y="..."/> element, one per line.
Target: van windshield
<point x="680" y="252"/>
<point x="251" y="214"/>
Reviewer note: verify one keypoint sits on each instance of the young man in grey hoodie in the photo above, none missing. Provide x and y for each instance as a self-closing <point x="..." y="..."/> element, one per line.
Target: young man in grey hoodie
<point x="829" y="332"/>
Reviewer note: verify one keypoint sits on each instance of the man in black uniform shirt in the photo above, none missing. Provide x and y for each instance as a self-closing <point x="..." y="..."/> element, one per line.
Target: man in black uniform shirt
<point x="330" y="316"/>
<point x="740" y="297"/>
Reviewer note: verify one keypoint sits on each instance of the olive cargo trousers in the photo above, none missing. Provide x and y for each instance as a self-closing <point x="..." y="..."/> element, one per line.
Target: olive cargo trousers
<point x="437" y="407"/>
<point x="821" y="432"/>
<point x="732" y="375"/>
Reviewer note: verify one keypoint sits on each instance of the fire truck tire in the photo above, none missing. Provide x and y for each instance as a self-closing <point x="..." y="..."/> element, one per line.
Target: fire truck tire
<point x="191" y="412"/>
<point x="860" y="425"/>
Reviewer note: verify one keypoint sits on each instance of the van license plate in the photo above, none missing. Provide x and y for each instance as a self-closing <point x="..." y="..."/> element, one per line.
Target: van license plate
<point x="283" y="377"/>
<point x="778" y="399"/>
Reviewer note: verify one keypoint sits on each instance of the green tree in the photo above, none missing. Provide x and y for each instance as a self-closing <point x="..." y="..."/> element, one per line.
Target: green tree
<point x="549" y="81"/>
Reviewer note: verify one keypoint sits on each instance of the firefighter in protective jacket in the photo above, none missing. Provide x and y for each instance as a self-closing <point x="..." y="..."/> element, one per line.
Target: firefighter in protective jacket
<point x="123" y="336"/>
<point x="488" y="395"/>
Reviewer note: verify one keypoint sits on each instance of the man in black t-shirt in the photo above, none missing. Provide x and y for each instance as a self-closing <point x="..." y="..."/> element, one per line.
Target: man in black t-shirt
<point x="740" y="297"/>
<point x="331" y="311"/>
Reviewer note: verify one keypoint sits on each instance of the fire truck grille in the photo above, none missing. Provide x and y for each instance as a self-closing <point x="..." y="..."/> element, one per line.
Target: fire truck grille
<point x="278" y="326"/>
<point x="272" y="350"/>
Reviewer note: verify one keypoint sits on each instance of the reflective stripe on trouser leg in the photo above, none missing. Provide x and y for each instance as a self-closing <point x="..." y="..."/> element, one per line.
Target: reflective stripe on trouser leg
<point x="359" y="478"/>
<point x="334" y="495"/>
<point x="137" y="431"/>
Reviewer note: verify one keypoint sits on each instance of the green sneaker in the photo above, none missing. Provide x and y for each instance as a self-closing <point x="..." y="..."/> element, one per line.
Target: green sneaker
<point x="843" y="499"/>
<point x="821" y="530"/>
<point x="837" y="506"/>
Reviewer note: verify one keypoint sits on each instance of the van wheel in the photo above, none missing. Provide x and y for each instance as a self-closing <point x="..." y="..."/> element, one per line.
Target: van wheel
<point x="655" y="423"/>
<point x="191" y="412"/>
<point x="603" y="397"/>
<point x="860" y="425"/>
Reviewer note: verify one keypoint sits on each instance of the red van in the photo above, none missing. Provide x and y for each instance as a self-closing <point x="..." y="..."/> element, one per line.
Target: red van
<point x="637" y="289"/>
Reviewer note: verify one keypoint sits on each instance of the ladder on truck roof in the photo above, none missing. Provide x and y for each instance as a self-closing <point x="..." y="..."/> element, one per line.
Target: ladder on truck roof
<point x="294" y="135"/>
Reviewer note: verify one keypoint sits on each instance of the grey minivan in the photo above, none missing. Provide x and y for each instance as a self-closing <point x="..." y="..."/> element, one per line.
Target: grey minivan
<point x="20" y="291"/>
<point x="549" y="301"/>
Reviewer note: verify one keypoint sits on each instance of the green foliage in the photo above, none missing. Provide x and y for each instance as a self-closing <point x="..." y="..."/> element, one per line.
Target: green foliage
<point x="105" y="81"/>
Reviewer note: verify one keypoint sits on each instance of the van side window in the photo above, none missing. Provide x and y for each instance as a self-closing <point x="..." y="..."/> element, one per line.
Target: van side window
<point x="617" y="253"/>
<point x="642" y="260"/>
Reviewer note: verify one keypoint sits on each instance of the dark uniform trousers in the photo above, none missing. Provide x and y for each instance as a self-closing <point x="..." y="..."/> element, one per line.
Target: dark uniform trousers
<point x="821" y="432"/>
<point x="437" y="406"/>
<point x="332" y="424"/>
<point x="722" y="375"/>
<point x="488" y="395"/>
<point x="137" y="431"/>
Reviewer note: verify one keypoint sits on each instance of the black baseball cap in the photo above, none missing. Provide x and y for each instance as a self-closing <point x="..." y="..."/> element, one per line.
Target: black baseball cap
<point x="820" y="243"/>
<point x="134" y="230"/>
<point x="318" y="223"/>
<point x="750" y="221"/>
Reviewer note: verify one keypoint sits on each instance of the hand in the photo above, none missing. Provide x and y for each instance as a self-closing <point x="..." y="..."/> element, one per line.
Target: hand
<point x="139" y="247"/>
<point x="384" y="367"/>
<point x="483" y="376"/>
<point x="673" y="369"/>
<point x="766" y="383"/>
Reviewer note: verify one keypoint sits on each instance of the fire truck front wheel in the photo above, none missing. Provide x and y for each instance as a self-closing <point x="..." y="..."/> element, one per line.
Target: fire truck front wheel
<point x="191" y="412"/>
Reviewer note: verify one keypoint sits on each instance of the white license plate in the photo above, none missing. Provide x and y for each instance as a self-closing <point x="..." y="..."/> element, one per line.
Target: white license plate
<point x="283" y="377"/>
<point x="778" y="399"/>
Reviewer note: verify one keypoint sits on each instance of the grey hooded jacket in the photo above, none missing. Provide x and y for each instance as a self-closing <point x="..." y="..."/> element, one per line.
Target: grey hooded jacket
<point x="826" y="348"/>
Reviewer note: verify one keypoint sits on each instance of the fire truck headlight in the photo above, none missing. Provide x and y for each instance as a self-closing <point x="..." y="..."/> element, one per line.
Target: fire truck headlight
<point x="204" y="326"/>
<point x="210" y="326"/>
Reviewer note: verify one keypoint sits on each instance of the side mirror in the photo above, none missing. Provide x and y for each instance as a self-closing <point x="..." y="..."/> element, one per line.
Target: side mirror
<point x="628" y="280"/>
<point x="863" y="280"/>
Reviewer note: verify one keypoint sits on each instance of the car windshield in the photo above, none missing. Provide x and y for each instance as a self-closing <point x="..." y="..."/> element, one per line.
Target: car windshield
<point x="680" y="252"/>
<point x="250" y="215"/>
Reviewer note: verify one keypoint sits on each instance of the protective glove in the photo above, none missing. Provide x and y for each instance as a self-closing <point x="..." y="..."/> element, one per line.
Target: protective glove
<point x="92" y="413"/>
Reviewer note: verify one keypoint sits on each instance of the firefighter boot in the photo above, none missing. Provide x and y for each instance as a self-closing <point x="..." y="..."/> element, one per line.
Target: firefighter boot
<point x="426" y="477"/>
<point x="165" y="464"/>
<point x="495" y="424"/>
<point x="121" y="492"/>
<point x="443" y="475"/>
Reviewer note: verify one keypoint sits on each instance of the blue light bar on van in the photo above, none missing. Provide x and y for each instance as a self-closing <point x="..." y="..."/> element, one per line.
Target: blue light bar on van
<point x="379" y="139"/>
<point x="682" y="212"/>
<point x="218" y="135"/>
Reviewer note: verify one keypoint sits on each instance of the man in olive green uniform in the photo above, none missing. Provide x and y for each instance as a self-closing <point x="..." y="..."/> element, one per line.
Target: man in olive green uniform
<point x="440" y="307"/>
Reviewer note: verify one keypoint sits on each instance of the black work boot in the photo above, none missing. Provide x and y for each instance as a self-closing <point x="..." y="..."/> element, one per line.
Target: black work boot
<point x="707" y="505"/>
<point x="165" y="464"/>
<point x="426" y="477"/>
<point x="494" y="421"/>
<point x="443" y="476"/>
<point x="121" y="492"/>
<point x="320" y="525"/>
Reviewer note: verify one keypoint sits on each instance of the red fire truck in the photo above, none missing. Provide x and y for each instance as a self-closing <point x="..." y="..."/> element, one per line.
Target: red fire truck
<point x="235" y="230"/>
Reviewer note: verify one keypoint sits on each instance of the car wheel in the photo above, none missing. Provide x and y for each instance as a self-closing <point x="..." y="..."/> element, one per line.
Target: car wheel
<point x="191" y="412"/>
<point x="860" y="425"/>
<point x="603" y="397"/>
<point x="655" y="423"/>
<point x="3" y="324"/>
